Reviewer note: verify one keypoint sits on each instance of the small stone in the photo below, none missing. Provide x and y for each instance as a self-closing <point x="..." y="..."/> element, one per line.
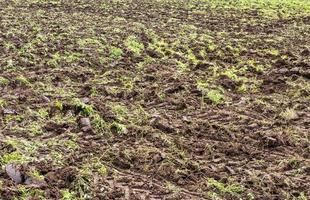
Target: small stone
<point x="186" y="119"/>
<point x="295" y="70"/>
<point x="85" y="122"/>
<point x="9" y="112"/>
<point x="164" y="126"/>
<point x="86" y="100"/>
<point x="158" y="157"/>
<point x="46" y="99"/>
<point x="217" y="160"/>
<point x="283" y="70"/>
<point x="230" y="170"/>
<point x="14" y="173"/>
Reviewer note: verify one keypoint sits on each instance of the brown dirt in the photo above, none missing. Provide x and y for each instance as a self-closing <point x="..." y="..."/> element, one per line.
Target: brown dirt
<point x="176" y="141"/>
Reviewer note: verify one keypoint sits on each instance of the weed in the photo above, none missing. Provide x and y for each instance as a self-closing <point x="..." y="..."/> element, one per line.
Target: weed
<point x="10" y="67"/>
<point x="234" y="50"/>
<point x="29" y="147"/>
<point x="100" y="168"/>
<point x="120" y="110"/>
<point x="242" y="88"/>
<point x="213" y="196"/>
<point x="42" y="113"/>
<point x="127" y="83"/>
<point x="70" y="144"/>
<point x="67" y="195"/>
<point x="133" y="44"/>
<point x="255" y="66"/>
<point x="215" y="96"/>
<point x="231" y="74"/>
<point x="182" y="67"/>
<point x="72" y="57"/>
<point x="33" y="128"/>
<point x="173" y="188"/>
<point x="232" y="189"/>
<point x="82" y="107"/>
<point x="192" y="58"/>
<point x="14" y="157"/>
<point x="94" y="92"/>
<point x="13" y="118"/>
<point x="91" y="41"/>
<point x="57" y="157"/>
<point x="4" y="81"/>
<point x="2" y="103"/>
<point x="98" y="123"/>
<point x="202" y="85"/>
<point x="9" y="45"/>
<point x="55" y="60"/>
<point x="147" y="60"/>
<point x="272" y="52"/>
<point x="59" y="105"/>
<point x="103" y="171"/>
<point x="29" y="193"/>
<point x="211" y="47"/>
<point x="83" y="183"/>
<point x="22" y="80"/>
<point x="250" y="196"/>
<point x="140" y="116"/>
<point x="36" y="175"/>
<point x="301" y="196"/>
<point x="119" y="20"/>
<point x="118" y="128"/>
<point x="116" y="53"/>
<point x="288" y="114"/>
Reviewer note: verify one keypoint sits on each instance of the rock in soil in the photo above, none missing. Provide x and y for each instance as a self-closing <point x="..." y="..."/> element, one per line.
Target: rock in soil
<point x="85" y="124"/>
<point x="14" y="173"/>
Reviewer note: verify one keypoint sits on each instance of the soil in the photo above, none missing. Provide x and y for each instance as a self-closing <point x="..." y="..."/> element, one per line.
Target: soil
<point x="143" y="126"/>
